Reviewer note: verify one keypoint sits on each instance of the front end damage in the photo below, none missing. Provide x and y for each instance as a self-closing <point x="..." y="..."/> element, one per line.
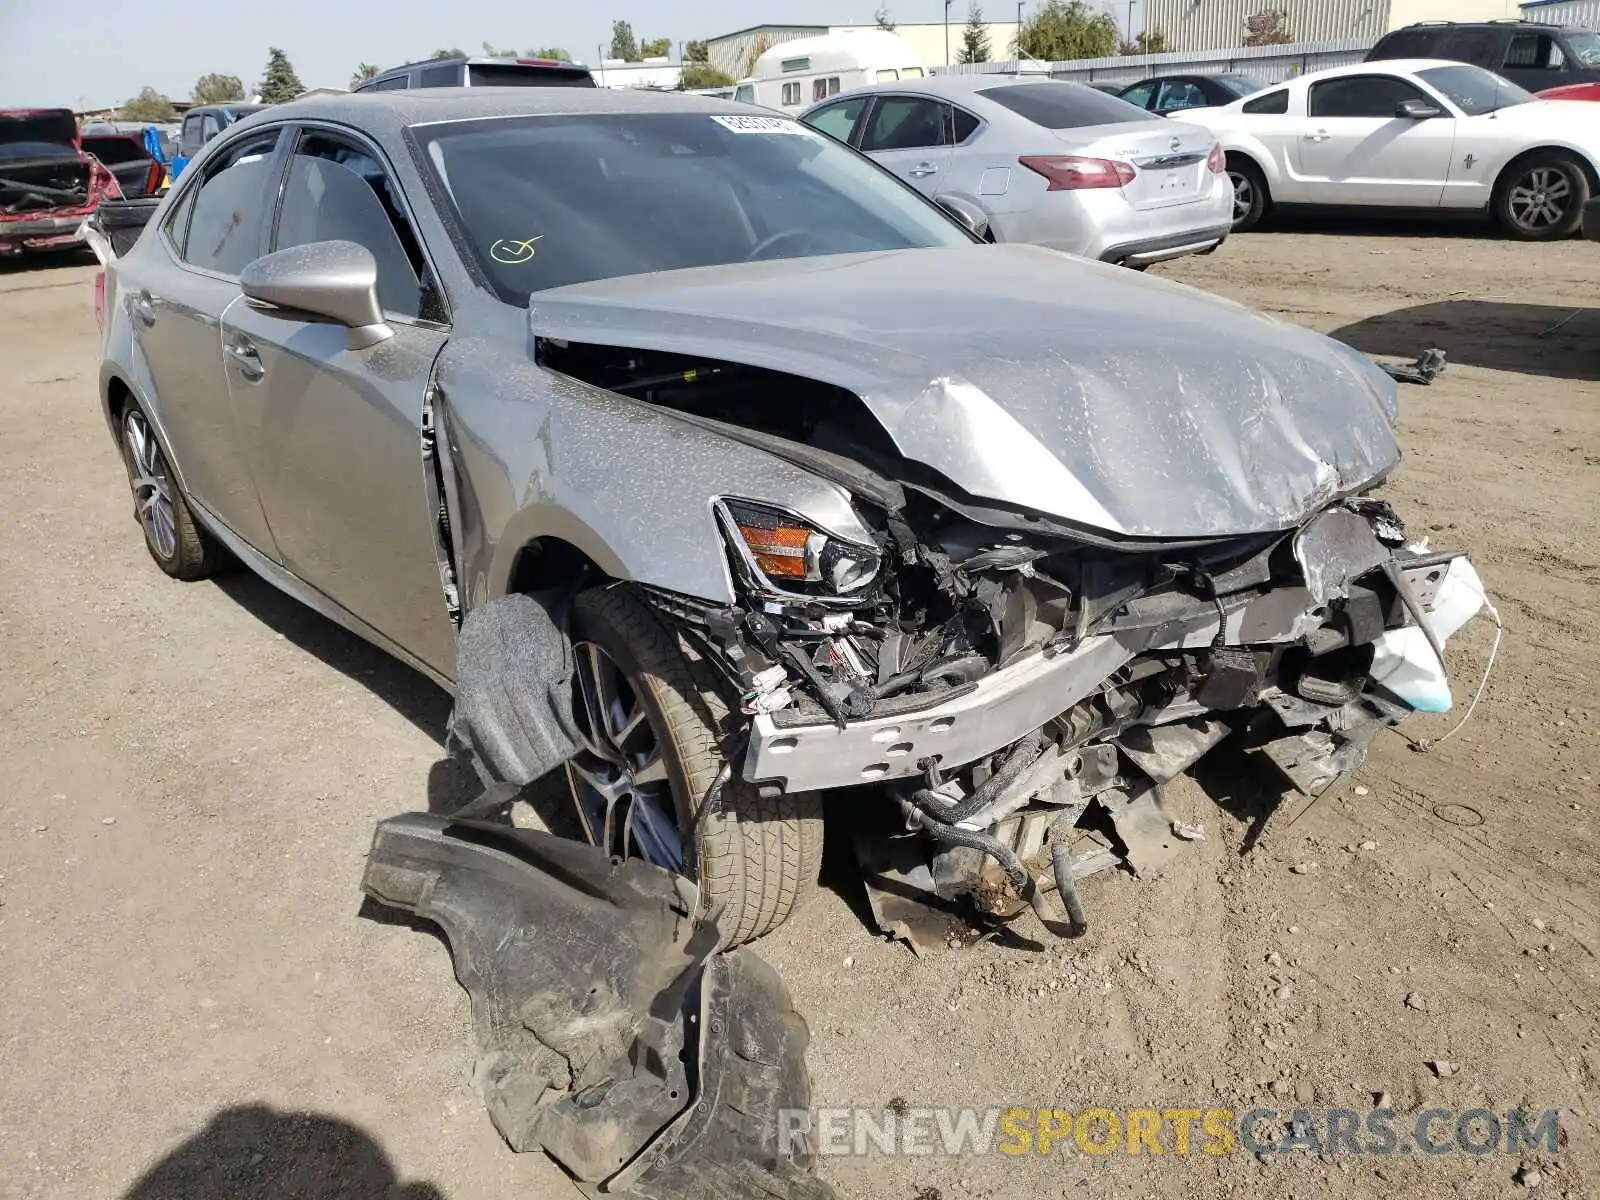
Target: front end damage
<point x="1021" y="698"/>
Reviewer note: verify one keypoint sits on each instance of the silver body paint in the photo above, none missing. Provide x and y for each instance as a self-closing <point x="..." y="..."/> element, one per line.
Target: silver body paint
<point x="1025" y="376"/>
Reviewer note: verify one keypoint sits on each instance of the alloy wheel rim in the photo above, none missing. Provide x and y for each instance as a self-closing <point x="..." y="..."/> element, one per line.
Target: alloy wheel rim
<point x="1244" y="195"/>
<point x="1539" y="200"/>
<point x="618" y="776"/>
<point x="152" y="489"/>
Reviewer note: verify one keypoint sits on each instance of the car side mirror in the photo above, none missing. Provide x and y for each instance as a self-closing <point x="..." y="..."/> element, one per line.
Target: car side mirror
<point x="1417" y="110"/>
<point x="972" y="218"/>
<point x="334" y="280"/>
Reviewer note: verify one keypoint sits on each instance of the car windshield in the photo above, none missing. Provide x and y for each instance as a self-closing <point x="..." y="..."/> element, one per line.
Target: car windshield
<point x="1585" y="46"/>
<point x="1058" y="105"/>
<point x="1240" y="85"/>
<point x="543" y="202"/>
<point x="1473" y="90"/>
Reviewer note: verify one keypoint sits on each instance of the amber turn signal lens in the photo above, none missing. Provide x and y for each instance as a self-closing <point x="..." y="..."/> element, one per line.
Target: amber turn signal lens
<point x="780" y="552"/>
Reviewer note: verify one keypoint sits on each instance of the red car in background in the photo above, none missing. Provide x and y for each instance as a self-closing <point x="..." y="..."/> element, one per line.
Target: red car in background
<point x="1571" y="91"/>
<point x="48" y="185"/>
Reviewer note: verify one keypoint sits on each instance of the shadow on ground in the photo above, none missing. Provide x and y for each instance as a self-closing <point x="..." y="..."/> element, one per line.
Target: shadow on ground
<point x="1345" y="224"/>
<point x="1531" y="339"/>
<point x="254" y="1151"/>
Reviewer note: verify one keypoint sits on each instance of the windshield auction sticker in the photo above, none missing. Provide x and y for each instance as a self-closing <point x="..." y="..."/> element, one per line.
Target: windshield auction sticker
<point x="761" y="125"/>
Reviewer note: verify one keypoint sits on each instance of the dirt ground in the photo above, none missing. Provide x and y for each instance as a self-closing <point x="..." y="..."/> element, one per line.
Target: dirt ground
<point x="194" y="1008"/>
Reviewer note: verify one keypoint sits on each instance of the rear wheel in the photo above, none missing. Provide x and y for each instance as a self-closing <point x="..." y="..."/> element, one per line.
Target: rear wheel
<point x="653" y="727"/>
<point x="1541" y="197"/>
<point x="179" y="546"/>
<point x="1250" y="198"/>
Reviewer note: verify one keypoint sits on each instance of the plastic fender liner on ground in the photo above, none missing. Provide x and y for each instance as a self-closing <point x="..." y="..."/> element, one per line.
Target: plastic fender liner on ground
<point x="611" y="1033"/>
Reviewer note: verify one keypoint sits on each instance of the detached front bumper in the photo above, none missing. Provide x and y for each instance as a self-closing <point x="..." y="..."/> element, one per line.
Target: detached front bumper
<point x="40" y="233"/>
<point x="1012" y="702"/>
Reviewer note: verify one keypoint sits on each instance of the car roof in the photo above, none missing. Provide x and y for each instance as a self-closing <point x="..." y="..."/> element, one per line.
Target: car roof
<point x="957" y="85"/>
<point x="395" y="110"/>
<point x="534" y="64"/>
<point x="1501" y="23"/>
<point x="1409" y="66"/>
<point x="240" y="107"/>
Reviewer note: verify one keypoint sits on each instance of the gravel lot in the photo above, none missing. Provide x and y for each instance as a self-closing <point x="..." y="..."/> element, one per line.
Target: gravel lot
<point x="194" y="1008"/>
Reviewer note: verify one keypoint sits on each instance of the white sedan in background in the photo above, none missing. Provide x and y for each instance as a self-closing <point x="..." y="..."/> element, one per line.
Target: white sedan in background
<point x="1044" y="161"/>
<point x="1411" y="135"/>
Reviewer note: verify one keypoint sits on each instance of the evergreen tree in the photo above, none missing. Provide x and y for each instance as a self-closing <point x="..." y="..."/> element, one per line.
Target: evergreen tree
<point x="281" y="84"/>
<point x="623" y="44"/>
<point x="974" y="39"/>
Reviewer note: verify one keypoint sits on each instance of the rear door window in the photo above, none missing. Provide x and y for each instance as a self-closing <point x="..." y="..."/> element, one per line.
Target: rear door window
<point x="394" y="83"/>
<point x="1534" y="52"/>
<point x="1180" y="93"/>
<point x="965" y="124"/>
<point x="225" y="221"/>
<point x="906" y="123"/>
<point x="1056" y="105"/>
<point x="447" y="76"/>
<point x="1481" y="47"/>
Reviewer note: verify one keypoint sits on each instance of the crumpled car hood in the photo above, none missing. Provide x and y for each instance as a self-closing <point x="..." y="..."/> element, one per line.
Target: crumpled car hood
<point x="1028" y="377"/>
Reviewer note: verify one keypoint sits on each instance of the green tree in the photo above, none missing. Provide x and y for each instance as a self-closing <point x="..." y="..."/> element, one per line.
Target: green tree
<point x="281" y="84"/>
<point x="655" y="48"/>
<point x="623" y="44"/>
<point x="974" y="38"/>
<point x="555" y="52"/>
<point x="882" y="18"/>
<point x="449" y="52"/>
<point x="364" y="72"/>
<point x="1060" y="30"/>
<point x="702" y="75"/>
<point x="1270" y="27"/>
<point x="217" y="89"/>
<point x="490" y="51"/>
<point x="1150" y="41"/>
<point x="148" y="105"/>
<point x="696" y="52"/>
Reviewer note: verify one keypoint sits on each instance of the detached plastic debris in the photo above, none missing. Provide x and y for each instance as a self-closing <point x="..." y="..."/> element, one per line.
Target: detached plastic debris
<point x="612" y="1032"/>
<point x="1428" y="364"/>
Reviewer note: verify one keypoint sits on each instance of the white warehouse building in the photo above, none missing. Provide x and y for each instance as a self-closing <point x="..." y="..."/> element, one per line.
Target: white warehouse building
<point x="735" y="53"/>
<point x="1213" y="24"/>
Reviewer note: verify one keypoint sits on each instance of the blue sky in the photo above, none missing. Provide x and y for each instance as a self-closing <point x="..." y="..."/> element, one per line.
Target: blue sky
<point x="92" y="53"/>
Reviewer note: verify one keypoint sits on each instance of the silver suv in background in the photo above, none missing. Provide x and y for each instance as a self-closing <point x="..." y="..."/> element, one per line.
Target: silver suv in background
<point x="480" y="72"/>
<point x="1057" y="164"/>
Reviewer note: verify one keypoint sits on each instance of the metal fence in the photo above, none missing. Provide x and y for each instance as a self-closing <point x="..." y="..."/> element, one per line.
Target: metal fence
<point x="1583" y="13"/>
<point x="1268" y="64"/>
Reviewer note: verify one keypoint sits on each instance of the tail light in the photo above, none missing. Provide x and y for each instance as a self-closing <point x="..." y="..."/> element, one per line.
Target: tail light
<point x="100" y="298"/>
<point x="1070" y="172"/>
<point x="152" y="184"/>
<point x="1216" y="161"/>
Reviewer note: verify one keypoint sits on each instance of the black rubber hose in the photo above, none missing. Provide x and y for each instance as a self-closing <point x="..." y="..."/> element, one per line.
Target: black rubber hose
<point x="949" y="835"/>
<point x="1021" y="758"/>
<point x="1066" y="886"/>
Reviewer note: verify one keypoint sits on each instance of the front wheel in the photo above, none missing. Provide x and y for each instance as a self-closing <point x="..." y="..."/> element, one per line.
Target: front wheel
<point x="1541" y="198"/>
<point x="653" y="726"/>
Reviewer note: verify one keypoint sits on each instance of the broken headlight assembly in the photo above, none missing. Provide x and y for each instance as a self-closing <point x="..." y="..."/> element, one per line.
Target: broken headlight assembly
<point x="783" y="554"/>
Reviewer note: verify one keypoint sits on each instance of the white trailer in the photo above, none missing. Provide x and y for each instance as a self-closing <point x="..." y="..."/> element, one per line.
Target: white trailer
<point x="796" y="74"/>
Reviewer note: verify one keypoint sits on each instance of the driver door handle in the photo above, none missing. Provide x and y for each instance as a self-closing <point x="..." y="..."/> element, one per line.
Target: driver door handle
<point x="1320" y="135"/>
<point x="921" y="169"/>
<point x="246" y="359"/>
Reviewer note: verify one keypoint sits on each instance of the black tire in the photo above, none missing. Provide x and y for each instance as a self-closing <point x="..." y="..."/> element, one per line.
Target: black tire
<point x="177" y="544"/>
<point x="759" y="857"/>
<point x="1540" y="197"/>
<point x="1250" y="196"/>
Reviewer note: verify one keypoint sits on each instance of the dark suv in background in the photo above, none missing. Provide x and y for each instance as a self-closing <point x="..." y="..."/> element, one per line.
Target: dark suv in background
<point x="1534" y="55"/>
<point x="480" y="72"/>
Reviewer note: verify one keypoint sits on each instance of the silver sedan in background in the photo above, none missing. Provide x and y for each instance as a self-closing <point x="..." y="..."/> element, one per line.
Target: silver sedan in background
<point x="1044" y="161"/>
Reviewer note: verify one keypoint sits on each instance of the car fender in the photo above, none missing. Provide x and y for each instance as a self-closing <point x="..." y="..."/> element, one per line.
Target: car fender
<point x="1253" y="148"/>
<point x="632" y="486"/>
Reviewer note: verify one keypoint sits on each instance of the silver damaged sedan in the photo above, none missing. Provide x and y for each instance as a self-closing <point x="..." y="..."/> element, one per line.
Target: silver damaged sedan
<point x="714" y="469"/>
<point x="1044" y="161"/>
